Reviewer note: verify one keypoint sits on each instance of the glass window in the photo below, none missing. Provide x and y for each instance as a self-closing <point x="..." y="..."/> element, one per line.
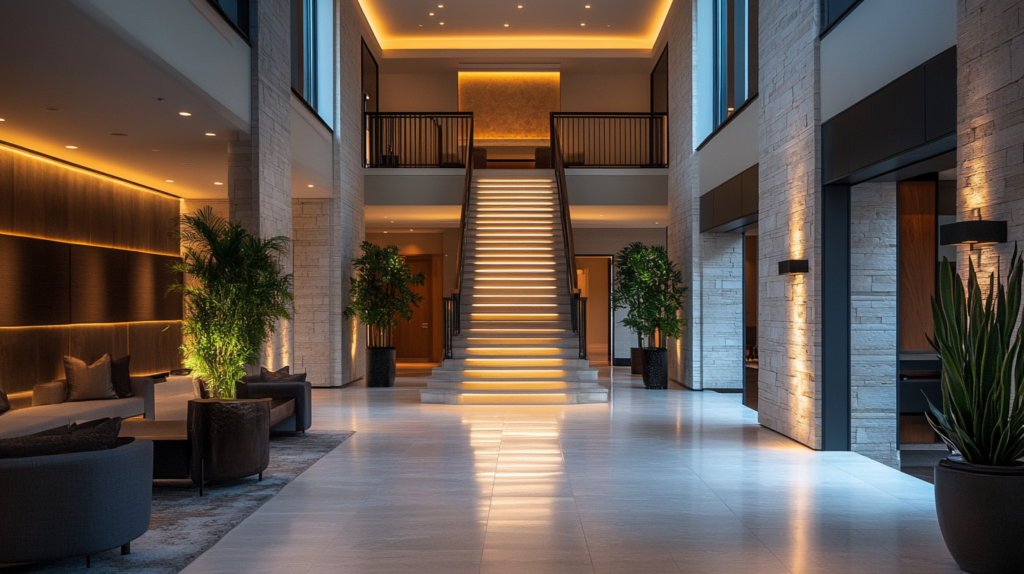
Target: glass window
<point x="659" y="85"/>
<point x="832" y="11"/>
<point x="236" y="12"/>
<point x="312" y="55"/>
<point x="735" y="57"/>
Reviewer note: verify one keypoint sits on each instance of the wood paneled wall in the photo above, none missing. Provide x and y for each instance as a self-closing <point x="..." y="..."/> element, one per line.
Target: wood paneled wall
<point x="81" y="247"/>
<point x="918" y="245"/>
<point x="45" y="199"/>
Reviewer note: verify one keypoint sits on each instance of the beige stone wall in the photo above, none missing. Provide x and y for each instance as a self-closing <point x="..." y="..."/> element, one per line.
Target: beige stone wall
<point x="789" y="333"/>
<point x="873" y="321"/>
<point x="990" y="121"/>
<point x="683" y="233"/>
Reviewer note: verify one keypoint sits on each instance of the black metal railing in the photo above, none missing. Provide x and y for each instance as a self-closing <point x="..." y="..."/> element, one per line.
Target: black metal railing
<point x="638" y="140"/>
<point x="451" y="323"/>
<point x="418" y="139"/>
<point x="453" y="304"/>
<point x="578" y="321"/>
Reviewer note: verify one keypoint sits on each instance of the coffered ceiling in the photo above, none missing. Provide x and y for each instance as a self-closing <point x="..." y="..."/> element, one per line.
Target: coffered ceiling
<point x="432" y="25"/>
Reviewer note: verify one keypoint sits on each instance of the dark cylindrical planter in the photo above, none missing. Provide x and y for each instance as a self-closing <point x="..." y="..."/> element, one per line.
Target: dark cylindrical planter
<point x="230" y="439"/>
<point x="981" y="515"/>
<point x="636" y="361"/>
<point x="655" y="369"/>
<point x="380" y="366"/>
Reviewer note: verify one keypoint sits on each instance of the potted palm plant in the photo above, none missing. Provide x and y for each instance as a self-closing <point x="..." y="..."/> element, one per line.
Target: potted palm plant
<point x="649" y="285"/>
<point x="381" y="293"/>
<point x="235" y="293"/>
<point x="979" y="488"/>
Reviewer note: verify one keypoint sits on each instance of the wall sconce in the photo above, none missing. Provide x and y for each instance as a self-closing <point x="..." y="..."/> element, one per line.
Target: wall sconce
<point x="793" y="266"/>
<point x="973" y="232"/>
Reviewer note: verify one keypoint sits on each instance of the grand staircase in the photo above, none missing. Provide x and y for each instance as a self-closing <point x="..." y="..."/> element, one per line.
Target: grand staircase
<point x="515" y="342"/>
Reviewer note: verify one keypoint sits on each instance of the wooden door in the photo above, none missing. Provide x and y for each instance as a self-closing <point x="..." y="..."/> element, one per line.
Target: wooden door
<point x="414" y="340"/>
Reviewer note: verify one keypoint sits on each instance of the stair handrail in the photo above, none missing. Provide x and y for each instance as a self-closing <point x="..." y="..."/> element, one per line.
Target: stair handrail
<point x="576" y="301"/>
<point x="453" y="304"/>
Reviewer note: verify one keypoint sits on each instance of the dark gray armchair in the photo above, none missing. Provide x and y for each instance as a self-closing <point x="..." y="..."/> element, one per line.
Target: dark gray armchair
<point x="300" y="391"/>
<point x="76" y="504"/>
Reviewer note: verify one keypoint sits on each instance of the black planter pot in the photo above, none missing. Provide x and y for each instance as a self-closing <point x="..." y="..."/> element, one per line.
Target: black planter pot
<point x="981" y="515"/>
<point x="636" y="361"/>
<point x="380" y="366"/>
<point x="655" y="369"/>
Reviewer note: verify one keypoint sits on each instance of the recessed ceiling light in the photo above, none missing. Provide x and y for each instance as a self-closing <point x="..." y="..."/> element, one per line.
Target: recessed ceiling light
<point x="50" y="109"/>
<point x="587" y="6"/>
<point x="2" y="120"/>
<point x="169" y="180"/>
<point x="410" y="230"/>
<point x="218" y="183"/>
<point x="421" y="25"/>
<point x="583" y="23"/>
<point x="118" y="134"/>
<point x="71" y="146"/>
<point x="442" y="23"/>
<point x="506" y="25"/>
<point x="310" y="185"/>
<point x="392" y="222"/>
<point x="520" y="6"/>
<point x="431" y="13"/>
<point x="211" y="134"/>
<point x="440" y="5"/>
<point x="385" y="232"/>
<point x="186" y="114"/>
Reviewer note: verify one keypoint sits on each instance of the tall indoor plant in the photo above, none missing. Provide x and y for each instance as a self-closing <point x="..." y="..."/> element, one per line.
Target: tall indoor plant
<point x="630" y="263"/>
<point x="650" y="287"/>
<point x="234" y="294"/>
<point x="979" y="489"/>
<point x="381" y="293"/>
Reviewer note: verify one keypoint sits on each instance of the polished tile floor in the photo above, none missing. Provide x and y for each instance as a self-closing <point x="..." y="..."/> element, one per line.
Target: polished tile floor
<point x="657" y="481"/>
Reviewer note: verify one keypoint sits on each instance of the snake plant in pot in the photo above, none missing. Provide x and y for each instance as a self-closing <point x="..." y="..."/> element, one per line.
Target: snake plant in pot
<point x="979" y="488"/>
<point x="381" y="293"/>
<point x="649" y="285"/>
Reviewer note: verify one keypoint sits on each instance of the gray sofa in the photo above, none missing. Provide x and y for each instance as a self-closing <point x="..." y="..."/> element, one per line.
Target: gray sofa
<point x="50" y="408"/>
<point x="76" y="504"/>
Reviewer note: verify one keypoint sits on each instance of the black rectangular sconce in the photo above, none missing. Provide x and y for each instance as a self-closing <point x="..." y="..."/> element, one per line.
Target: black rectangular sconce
<point x="793" y="266"/>
<point x="972" y="232"/>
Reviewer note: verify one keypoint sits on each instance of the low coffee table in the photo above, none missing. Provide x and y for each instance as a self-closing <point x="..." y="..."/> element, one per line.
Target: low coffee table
<point x="172" y="451"/>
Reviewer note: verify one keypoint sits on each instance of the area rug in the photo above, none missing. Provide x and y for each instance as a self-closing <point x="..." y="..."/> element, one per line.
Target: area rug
<point x="184" y="525"/>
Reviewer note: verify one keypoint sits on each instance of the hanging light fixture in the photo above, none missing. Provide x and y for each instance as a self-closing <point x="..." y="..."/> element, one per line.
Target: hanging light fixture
<point x="973" y="232"/>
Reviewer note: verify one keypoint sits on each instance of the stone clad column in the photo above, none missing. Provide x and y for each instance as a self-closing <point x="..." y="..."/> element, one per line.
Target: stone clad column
<point x="259" y="163"/>
<point x="789" y="319"/>
<point x="990" y="123"/>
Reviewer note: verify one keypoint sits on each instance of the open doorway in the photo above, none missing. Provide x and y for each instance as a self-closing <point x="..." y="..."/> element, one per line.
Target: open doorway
<point x="750" y="283"/>
<point x="594" y="276"/>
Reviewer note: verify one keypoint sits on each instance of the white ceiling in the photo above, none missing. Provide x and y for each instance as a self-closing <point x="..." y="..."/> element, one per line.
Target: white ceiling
<point x="401" y="25"/>
<point x="53" y="55"/>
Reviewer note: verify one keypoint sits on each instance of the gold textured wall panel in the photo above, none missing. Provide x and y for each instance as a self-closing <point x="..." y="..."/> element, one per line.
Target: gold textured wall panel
<point x="510" y="105"/>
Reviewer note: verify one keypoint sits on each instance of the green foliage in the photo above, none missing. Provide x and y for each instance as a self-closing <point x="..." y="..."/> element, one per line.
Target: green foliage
<point x="381" y="292"/>
<point x="234" y="293"/>
<point x="982" y="366"/>
<point x="649" y="286"/>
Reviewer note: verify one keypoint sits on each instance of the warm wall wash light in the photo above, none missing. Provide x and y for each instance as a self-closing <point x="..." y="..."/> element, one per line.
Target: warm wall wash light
<point x="793" y="266"/>
<point x="973" y="232"/>
<point x="186" y="114"/>
<point x="211" y="134"/>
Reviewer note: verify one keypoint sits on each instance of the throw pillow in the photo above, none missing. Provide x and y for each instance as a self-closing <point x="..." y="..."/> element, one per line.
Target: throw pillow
<point x="100" y="437"/>
<point x="121" y="377"/>
<point x="88" y="382"/>
<point x="5" y="405"/>
<point x="56" y="431"/>
<point x="281" y="375"/>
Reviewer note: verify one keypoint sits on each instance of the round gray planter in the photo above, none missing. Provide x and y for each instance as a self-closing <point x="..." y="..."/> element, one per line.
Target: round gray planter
<point x="981" y="515"/>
